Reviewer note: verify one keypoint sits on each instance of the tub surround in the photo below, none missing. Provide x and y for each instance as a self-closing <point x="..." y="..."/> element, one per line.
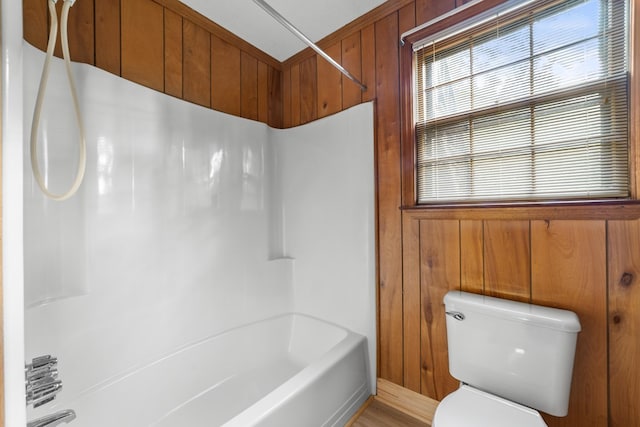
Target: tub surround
<point x="186" y="226"/>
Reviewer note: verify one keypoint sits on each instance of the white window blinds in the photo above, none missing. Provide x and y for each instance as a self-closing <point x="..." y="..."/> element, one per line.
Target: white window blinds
<point x="529" y="105"/>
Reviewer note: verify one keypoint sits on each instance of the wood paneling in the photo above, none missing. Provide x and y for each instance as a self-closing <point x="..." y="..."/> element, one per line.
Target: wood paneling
<point x="570" y="264"/>
<point x="389" y="217"/>
<point x="295" y="96"/>
<point x="571" y="255"/>
<point x="287" y="97"/>
<point x="146" y="42"/>
<point x="107" y="21"/>
<point x="196" y="64"/>
<point x="225" y="72"/>
<point x="248" y="86"/>
<point x="352" y="62"/>
<point x="439" y="273"/>
<point x="308" y="90"/>
<point x="173" y="33"/>
<point x="426" y="10"/>
<point x="330" y="83"/>
<point x="143" y="43"/>
<point x="624" y="322"/>
<point x="507" y="269"/>
<point x="411" y="304"/>
<point x="35" y="22"/>
<point x="80" y="29"/>
<point x="368" y="44"/>
<point x="264" y="94"/>
<point x="275" y="97"/>
<point x="569" y="272"/>
<point x="472" y="256"/>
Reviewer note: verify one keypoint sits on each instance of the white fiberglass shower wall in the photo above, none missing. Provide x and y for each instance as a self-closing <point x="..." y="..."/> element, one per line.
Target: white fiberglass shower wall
<point x="189" y="222"/>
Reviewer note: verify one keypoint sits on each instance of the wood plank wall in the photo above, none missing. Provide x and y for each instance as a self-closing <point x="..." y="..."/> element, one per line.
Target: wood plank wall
<point x="164" y="45"/>
<point x="588" y="266"/>
<point x="575" y="258"/>
<point x="568" y="258"/>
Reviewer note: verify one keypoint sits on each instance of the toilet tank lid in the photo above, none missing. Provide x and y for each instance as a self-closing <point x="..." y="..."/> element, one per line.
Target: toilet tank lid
<point x="546" y="317"/>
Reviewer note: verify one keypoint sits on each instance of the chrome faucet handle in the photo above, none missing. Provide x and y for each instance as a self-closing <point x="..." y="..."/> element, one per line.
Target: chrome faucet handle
<point x="42" y="362"/>
<point x="41" y="380"/>
<point x="43" y="392"/>
<point x="34" y="376"/>
<point x="53" y="420"/>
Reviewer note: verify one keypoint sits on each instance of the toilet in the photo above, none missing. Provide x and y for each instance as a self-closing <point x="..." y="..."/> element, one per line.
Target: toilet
<point x="512" y="360"/>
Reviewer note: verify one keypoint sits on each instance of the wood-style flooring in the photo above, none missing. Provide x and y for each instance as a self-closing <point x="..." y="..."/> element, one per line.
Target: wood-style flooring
<point x="379" y="414"/>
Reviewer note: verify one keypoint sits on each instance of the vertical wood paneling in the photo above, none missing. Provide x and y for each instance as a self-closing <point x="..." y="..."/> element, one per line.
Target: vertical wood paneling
<point x="562" y="277"/>
<point x="624" y="322"/>
<point x="287" y="98"/>
<point x="507" y="261"/>
<point x="427" y="10"/>
<point x="248" y="86"/>
<point x="35" y="18"/>
<point x="472" y="256"/>
<point x="275" y="98"/>
<point x="388" y="182"/>
<point x="368" y="43"/>
<point x="351" y="61"/>
<point x="295" y="95"/>
<point x="225" y="77"/>
<point x="407" y="20"/>
<point x="308" y="90"/>
<point x="329" y="83"/>
<point x="411" y="303"/>
<point x="263" y="92"/>
<point x="107" y="38"/>
<point x="143" y="43"/>
<point x="173" y="53"/>
<point x="80" y="32"/>
<point x="196" y="64"/>
<point x="440" y="272"/>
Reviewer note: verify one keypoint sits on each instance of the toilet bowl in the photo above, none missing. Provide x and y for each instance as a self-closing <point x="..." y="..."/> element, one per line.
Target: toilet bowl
<point x="470" y="407"/>
<point x="512" y="359"/>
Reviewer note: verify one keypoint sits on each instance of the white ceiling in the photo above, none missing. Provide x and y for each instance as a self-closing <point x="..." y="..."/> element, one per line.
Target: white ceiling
<point x="315" y="19"/>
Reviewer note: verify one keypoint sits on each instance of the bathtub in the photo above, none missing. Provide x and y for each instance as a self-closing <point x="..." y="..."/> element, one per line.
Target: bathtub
<point x="289" y="370"/>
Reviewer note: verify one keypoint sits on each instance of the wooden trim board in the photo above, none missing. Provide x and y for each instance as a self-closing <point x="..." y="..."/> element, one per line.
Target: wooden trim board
<point x="415" y="404"/>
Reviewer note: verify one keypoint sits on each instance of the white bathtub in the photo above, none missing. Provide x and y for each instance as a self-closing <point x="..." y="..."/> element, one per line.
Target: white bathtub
<point x="290" y="370"/>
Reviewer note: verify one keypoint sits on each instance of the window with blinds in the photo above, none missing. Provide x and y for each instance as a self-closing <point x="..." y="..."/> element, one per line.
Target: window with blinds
<point x="530" y="104"/>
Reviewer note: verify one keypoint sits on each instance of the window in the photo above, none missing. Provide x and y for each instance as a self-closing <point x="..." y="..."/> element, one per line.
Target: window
<point x="528" y="105"/>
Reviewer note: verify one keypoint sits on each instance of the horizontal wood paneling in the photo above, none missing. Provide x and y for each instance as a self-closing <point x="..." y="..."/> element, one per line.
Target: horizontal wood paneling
<point x="161" y="44"/>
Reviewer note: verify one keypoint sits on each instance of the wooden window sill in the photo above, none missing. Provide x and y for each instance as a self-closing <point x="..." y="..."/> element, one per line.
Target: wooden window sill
<point x="600" y="210"/>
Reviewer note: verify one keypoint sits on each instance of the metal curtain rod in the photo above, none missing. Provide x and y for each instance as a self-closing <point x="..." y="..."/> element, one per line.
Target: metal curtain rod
<point x="289" y="26"/>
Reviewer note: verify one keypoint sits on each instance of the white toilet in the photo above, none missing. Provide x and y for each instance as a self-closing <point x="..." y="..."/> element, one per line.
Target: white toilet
<point x="511" y="358"/>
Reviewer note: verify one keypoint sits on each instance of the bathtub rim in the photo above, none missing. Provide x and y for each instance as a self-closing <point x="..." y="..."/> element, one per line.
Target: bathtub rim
<point x="133" y="370"/>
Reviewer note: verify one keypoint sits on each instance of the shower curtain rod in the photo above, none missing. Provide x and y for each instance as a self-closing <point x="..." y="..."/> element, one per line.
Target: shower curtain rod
<point x="289" y="26"/>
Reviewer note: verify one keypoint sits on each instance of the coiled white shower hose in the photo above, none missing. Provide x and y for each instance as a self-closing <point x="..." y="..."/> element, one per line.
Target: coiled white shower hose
<point x="82" y="161"/>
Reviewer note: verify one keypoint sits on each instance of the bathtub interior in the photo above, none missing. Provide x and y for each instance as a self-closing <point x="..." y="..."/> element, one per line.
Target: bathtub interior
<point x="210" y="382"/>
<point x="189" y="223"/>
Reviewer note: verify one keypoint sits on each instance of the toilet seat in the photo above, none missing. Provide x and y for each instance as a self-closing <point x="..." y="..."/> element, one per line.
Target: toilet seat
<point x="470" y="407"/>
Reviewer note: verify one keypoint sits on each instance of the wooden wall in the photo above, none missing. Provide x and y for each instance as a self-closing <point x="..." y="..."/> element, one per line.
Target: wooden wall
<point x="586" y="259"/>
<point x="580" y="258"/>
<point x="164" y="45"/>
<point x="589" y="266"/>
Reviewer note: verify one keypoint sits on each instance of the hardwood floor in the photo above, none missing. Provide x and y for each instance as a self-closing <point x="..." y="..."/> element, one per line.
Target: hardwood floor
<point x="394" y="406"/>
<point x="378" y="414"/>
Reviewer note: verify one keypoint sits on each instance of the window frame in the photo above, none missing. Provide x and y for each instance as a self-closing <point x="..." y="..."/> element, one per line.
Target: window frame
<point x="408" y="145"/>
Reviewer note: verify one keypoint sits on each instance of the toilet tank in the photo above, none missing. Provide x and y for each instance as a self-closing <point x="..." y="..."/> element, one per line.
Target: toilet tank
<point x="521" y="352"/>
